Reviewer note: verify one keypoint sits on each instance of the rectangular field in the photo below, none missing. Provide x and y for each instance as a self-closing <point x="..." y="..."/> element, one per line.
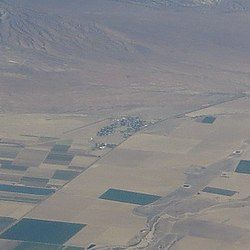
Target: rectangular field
<point x="51" y="232"/>
<point x="219" y="191"/>
<point x="9" y="151"/>
<point x="243" y="167"/>
<point x="60" y="159"/>
<point x="26" y="190"/>
<point x="129" y="197"/>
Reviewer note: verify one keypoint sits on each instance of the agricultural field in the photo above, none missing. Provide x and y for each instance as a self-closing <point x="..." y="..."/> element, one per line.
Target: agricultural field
<point x="184" y="171"/>
<point x="124" y="124"/>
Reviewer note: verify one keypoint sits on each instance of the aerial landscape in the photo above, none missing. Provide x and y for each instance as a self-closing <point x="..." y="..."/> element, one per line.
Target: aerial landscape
<point x="124" y="124"/>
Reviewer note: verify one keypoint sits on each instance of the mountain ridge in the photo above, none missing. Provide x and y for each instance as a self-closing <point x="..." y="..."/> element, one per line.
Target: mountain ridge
<point x="58" y="36"/>
<point x="222" y="5"/>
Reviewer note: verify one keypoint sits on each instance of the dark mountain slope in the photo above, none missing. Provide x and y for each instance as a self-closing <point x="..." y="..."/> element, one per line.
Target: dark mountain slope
<point x="108" y="56"/>
<point x="29" y="29"/>
<point x="222" y="5"/>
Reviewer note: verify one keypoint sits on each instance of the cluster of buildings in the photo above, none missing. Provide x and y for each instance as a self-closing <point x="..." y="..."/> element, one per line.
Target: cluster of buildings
<point x="131" y="123"/>
<point x="103" y="145"/>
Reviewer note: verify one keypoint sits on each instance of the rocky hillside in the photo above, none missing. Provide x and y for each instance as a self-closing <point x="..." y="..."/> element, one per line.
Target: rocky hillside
<point x="59" y="36"/>
<point x="223" y="5"/>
